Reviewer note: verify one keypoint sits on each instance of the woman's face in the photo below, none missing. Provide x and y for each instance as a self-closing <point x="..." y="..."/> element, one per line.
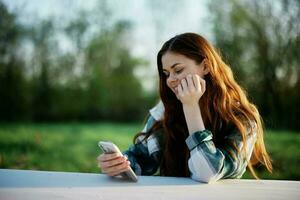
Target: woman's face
<point x="177" y="66"/>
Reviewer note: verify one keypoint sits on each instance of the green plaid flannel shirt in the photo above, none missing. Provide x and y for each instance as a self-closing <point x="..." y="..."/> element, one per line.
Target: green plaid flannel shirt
<point x="207" y="163"/>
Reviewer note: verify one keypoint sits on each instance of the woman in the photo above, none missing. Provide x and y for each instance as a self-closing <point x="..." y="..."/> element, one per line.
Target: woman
<point x="204" y="128"/>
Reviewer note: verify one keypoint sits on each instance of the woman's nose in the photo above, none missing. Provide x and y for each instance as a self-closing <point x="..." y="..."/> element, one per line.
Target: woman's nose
<point x="172" y="78"/>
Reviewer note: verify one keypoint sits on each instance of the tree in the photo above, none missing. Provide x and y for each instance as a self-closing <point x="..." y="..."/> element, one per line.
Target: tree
<point x="13" y="99"/>
<point x="95" y="80"/>
<point x="114" y="92"/>
<point x="42" y="88"/>
<point x="260" y="40"/>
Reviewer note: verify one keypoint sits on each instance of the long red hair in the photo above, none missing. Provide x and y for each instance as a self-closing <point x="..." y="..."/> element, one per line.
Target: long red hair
<point x="224" y="102"/>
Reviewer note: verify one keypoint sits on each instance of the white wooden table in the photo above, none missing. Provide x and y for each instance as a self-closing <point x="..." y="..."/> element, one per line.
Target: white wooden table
<point x="28" y="184"/>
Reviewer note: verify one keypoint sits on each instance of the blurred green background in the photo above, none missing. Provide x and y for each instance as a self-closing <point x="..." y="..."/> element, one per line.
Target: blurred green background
<point x="73" y="73"/>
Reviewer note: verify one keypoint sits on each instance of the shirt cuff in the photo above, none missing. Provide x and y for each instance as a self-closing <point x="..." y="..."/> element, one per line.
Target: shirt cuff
<point x="198" y="137"/>
<point x="134" y="166"/>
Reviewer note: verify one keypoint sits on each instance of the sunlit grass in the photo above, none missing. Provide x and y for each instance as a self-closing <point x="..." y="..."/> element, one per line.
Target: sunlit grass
<point x="283" y="147"/>
<point x="62" y="147"/>
<point x="73" y="147"/>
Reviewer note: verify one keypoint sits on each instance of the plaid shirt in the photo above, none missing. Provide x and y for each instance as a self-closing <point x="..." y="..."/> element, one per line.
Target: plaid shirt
<point x="207" y="163"/>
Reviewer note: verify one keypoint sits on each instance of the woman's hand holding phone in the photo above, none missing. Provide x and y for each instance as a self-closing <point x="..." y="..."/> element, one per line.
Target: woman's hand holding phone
<point x="113" y="164"/>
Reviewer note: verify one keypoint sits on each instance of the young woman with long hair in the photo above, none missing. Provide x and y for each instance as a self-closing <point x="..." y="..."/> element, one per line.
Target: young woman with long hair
<point x="204" y="127"/>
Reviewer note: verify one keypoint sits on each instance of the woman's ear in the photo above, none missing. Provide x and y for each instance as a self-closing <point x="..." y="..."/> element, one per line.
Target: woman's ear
<point x="205" y="66"/>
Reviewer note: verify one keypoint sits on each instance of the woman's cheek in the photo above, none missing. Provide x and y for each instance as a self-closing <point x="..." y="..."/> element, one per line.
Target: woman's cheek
<point x="181" y="76"/>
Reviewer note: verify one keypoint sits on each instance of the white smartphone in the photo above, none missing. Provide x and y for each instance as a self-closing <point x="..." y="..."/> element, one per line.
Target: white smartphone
<point x="109" y="147"/>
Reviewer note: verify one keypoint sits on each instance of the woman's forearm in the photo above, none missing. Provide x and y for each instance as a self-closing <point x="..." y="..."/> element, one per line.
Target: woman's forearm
<point x="193" y="117"/>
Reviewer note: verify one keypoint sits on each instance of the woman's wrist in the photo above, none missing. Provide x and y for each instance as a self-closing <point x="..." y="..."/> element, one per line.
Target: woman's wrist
<point x="192" y="105"/>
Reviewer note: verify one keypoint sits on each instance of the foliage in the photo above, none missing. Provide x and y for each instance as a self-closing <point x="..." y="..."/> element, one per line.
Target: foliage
<point x="12" y="81"/>
<point x="94" y="79"/>
<point x="39" y="81"/>
<point x="260" y="40"/>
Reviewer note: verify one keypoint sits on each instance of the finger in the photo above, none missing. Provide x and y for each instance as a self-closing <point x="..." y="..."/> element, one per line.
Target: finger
<point x="125" y="156"/>
<point x="108" y="163"/>
<point x="100" y="157"/>
<point x="196" y="80"/>
<point x="108" y="156"/>
<point x="190" y="82"/>
<point x="203" y="85"/>
<point x="180" y="90"/>
<point x="117" y="168"/>
<point x="184" y="85"/>
<point x="120" y="171"/>
<point x="112" y="162"/>
<point x="122" y="168"/>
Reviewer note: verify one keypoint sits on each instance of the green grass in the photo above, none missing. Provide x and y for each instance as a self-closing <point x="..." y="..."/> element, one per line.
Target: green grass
<point x="59" y="147"/>
<point x="284" y="148"/>
<point x="73" y="147"/>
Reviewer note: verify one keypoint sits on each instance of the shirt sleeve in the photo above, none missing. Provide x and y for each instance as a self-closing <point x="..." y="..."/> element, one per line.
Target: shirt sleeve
<point x="144" y="155"/>
<point x="207" y="163"/>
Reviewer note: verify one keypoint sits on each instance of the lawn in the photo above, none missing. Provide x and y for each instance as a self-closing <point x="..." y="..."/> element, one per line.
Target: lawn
<point x="73" y="147"/>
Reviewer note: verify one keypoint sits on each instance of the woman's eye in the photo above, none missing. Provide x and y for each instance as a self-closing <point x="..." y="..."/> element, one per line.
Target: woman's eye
<point x="178" y="71"/>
